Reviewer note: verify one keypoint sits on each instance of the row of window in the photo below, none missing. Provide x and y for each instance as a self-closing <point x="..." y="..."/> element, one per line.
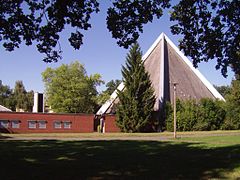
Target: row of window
<point x="7" y="124"/>
<point x="33" y="124"/>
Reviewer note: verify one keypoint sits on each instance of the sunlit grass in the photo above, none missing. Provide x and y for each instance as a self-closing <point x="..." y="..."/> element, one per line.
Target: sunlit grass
<point x="197" y="156"/>
<point x="114" y="135"/>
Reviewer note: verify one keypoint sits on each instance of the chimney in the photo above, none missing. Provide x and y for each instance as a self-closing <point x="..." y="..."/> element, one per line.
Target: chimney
<point x="38" y="102"/>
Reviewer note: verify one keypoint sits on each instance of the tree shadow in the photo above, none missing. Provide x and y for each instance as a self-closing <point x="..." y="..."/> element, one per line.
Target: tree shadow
<point x="50" y="159"/>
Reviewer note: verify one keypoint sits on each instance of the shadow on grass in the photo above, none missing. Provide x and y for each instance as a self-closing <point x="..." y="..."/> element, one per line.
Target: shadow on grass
<point x="50" y="159"/>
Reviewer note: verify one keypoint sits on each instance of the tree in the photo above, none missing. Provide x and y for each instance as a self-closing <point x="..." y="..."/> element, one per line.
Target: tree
<point x="232" y="120"/>
<point x="17" y="98"/>
<point x="20" y="95"/>
<point x="223" y="90"/>
<point x="42" y="21"/>
<point x="29" y="101"/>
<point x="105" y="95"/>
<point x="69" y="89"/>
<point x="204" y="115"/>
<point x="112" y="86"/>
<point x="6" y="96"/>
<point x="137" y="100"/>
<point x="210" y="29"/>
<point x="126" y="18"/>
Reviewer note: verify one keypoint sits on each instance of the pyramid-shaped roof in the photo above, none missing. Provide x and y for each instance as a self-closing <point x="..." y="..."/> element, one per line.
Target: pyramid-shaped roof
<point x="2" y="108"/>
<point x="166" y="65"/>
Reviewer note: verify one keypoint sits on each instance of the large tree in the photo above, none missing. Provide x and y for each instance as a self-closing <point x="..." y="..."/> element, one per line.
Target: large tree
<point x="105" y="95"/>
<point x="41" y="21"/>
<point x="112" y="86"/>
<point x="22" y="99"/>
<point x="6" y="96"/>
<point x="136" y="101"/>
<point x="17" y="98"/>
<point x="69" y="88"/>
<point x="210" y="29"/>
<point x="233" y="105"/>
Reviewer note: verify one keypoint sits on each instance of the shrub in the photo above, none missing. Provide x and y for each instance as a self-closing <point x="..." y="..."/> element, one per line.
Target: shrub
<point x="207" y="114"/>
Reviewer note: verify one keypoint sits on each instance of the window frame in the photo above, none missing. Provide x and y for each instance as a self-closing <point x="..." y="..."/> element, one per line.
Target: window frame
<point x="57" y="127"/>
<point x="34" y="127"/>
<point x="17" y="125"/>
<point x="68" y="125"/>
<point x="42" y="126"/>
<point x="4" y="126"/>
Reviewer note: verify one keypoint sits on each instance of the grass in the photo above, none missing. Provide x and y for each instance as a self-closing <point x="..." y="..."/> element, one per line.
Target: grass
<point x="117" y="135"/>
<point x="195" y="156"/>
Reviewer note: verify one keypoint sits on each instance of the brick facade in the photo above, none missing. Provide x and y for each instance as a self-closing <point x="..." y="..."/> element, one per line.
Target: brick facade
<point x="110" y="124"/>
<point x="12" y="122"/>
<point x="15" y="122"/>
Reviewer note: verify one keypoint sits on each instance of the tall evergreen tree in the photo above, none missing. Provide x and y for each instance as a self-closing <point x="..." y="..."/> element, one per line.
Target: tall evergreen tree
<point x="137" y="100"/>
<point x="20" y="95"/>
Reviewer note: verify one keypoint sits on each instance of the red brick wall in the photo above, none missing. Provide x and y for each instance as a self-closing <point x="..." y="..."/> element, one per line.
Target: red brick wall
<point x="79" y="122"/>
<point x="110" y="124"/>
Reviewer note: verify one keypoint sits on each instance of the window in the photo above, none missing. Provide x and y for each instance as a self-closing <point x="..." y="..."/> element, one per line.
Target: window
<point x="4" y="123"/>
<point x="67" y="124"/>
<point x="57" y="124"/>
<point x="32" y="124"/>
<point x="42" y="124"/>
<point x="15" y="124"/>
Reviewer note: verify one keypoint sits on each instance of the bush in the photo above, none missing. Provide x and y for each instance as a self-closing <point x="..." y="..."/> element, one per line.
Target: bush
<point x="207" y="114"/>
<point x="232" y="106"/>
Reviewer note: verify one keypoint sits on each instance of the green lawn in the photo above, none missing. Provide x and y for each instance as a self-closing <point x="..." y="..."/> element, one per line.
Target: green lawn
<point x="184" y="158"/>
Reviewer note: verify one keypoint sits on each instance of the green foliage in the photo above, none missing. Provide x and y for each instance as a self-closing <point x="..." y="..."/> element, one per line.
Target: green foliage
<point x="20" y="95"/>
<point x="69" y="89"/>
<point x="42" y="21"/>
<point x="6" y="96"/>
<point x="223" y="90"/>
<point x="205" y="115"/>
<point x="29" y="101"/>
<point x="17" y="98"/>
<point x="126" y="18"/>
<point x="112" y="86"/>
<point x="210" y="115"/>
<point x="232" y="120"/>
<point x="137" y="99"/>
<point x="22" y="98"/>
<point x="210" y="30"/>
<point x="102" y="98"/>
<point x="105" y="95"/>
<point x="5" y="93"/>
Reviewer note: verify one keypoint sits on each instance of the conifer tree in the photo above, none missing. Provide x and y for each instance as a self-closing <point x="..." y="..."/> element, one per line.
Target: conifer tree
<point x="137" y="99"/>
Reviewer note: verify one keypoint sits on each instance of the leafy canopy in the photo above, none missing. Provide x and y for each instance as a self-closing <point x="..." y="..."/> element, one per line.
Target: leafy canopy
<point x="69" y="89"/>
<point x="233" y="105"/>
<point x="42" y="21"/>
<point x="205" y="115"/>
<point x="17" y="98"/>
<point x="210" y="29"/>
<point x="105" y="95"/>
<point x="137" y="100"/>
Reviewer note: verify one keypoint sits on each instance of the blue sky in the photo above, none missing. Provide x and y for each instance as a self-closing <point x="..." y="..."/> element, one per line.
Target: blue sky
<point x="99" y="54"/>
